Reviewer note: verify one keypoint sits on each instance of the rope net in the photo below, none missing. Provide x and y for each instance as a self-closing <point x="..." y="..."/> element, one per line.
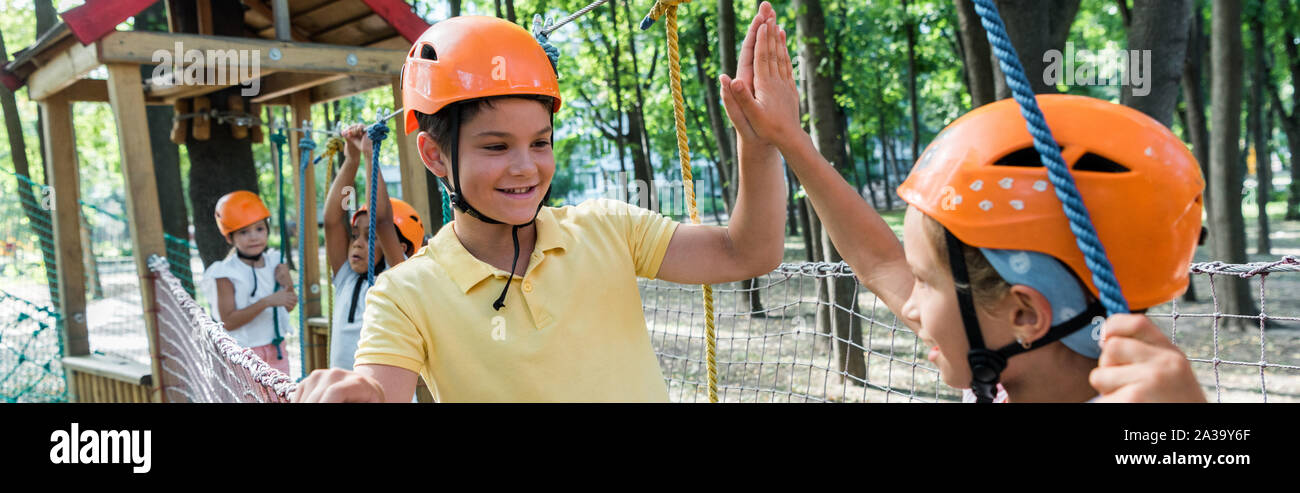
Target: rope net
<point x="808" y="332"/>
<point x="200" y="361"/>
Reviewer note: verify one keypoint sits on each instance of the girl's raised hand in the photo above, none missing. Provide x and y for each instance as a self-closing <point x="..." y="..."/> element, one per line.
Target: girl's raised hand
<point x="357" y="139"/>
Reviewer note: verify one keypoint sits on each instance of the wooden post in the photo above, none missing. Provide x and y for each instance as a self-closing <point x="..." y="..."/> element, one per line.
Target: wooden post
<point x="126" y="95"/>
<point x="300" y="104"/>
<point x="61" y="154"/>
<point x="415" y="190"/>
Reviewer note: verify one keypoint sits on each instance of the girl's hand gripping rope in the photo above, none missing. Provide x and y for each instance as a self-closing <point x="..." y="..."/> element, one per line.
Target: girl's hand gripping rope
<point x="1138" y="364"/>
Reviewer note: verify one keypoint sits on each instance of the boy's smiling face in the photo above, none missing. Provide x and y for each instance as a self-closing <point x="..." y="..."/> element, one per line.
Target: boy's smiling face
<point x="506" y="161"/>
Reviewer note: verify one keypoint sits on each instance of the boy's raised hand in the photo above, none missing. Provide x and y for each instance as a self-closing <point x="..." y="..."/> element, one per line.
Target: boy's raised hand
<point x="745" y="66"/>
<point x="768" y="108"/>
<point x="1138" y="364"/>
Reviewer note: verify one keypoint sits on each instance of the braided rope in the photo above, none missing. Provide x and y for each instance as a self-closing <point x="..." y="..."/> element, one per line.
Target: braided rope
<point x="377" y="133"/>
<point x="278" y="140"/>
<point x="305" y="147"/>
<point x="1094" y="253"/>
<point x="668" y="9"/>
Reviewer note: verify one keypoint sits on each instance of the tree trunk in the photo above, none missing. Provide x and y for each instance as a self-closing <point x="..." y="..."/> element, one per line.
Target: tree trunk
<point x="510" y="11"/>
<point x="37" y="217"/>
<point x="636" y="128"/>
<point x="1034" y="27"/>
<point x="727" y="63"/>
<point x="1162" y="28"/>
<point x="1194" y="95"/>
<point x="721" y="134"/>
<point x="1227" y="231"/>
<point x="455" y="8"/>
<point x="1259" y="128"/>
<point x="911" y="82"/>
<point x="46" y="18"/>
<point x="825" y="122"/>
<point x="866" y="164"/>
<point x="886" y="145"/>
<point x="1291" y="122"/>
<point x="793" y="217"/>
<point x="221" y="164"/>
<point x="977" y="56"/>
<point x="167" y="163"/>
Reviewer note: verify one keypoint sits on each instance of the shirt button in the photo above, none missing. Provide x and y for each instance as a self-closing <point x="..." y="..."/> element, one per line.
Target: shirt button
<point x="528" y="287"/>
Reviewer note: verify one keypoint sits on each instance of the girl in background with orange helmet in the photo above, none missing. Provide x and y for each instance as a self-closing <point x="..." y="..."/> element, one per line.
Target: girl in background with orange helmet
<point x="398" y="234"/>
<point x="251" y="283"/>
<point x="989" y="274"/>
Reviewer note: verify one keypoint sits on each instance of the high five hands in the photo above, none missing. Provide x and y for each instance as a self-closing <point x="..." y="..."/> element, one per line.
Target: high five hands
<point x="762" y="101"/>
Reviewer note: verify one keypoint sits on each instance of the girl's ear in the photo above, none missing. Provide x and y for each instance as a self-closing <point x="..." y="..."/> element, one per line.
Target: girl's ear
<point x="431" y="154"/>
<point x="1030" y="314"/>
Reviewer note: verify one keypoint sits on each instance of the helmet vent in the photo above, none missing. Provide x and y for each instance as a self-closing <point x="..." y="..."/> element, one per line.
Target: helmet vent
<point x="1025" y="158"/>
<point x="427" y="53"/>
<point x="1093" y="162"/>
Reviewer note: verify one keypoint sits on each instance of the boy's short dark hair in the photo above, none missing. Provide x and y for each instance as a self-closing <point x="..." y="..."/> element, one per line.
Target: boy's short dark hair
<point x="439" y="124"/>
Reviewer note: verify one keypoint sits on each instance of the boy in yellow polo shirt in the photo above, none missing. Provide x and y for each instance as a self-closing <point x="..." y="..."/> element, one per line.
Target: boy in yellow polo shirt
<point x="566" y="323"/>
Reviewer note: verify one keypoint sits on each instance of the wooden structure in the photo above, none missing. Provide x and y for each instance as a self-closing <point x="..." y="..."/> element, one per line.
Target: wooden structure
<point x="309" y="51"/>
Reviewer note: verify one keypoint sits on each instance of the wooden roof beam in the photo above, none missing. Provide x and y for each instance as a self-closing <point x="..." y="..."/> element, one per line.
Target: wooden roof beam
<point x="139" y="47"/>
<point x="285" y="83"/>
<point x="63" y="70"/>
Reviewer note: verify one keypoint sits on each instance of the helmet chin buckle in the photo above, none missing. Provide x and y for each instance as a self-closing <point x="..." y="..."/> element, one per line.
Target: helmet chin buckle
<point x="985" y="368"/>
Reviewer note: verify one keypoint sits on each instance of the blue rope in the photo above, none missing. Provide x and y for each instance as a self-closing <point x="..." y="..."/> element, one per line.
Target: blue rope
<point x="552" y="52"/>
<point x="278" y="139"/>
<point x="377" y="133"/>
<point x="305" y="146"/>
<point x="1094" y="253"/>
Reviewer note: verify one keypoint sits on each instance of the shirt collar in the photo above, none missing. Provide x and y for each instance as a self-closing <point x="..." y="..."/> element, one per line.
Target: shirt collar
<point x="468" y="271"/>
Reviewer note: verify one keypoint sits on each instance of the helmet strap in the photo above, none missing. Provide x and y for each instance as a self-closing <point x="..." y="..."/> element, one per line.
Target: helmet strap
<point x="458" y="199"/>
<point x="986" y="365"/>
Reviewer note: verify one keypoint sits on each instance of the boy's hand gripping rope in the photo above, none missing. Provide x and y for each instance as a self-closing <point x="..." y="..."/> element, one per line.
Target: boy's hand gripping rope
<point x="1094" y="254"/>
<point x="668" y="8"/>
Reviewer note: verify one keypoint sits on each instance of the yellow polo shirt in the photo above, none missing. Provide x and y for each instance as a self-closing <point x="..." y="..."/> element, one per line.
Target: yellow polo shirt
<point x="572" y="329"/>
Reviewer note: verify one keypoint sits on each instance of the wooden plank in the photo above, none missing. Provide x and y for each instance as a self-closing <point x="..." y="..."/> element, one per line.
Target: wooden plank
<point x="203" y="11"/>
<point x="117" y="369"/>
<point x="86" y="90"/>
<point x="63" y="70"/>
<point x="61" y="154"/>
<point x="138" y="47"/>
<point x="393" y="43"/>
<point x="126" y="95"/>
<point x="300" y="104"/>
<point x="360" y="32"/>
<point x="285" y="83"/>
<point x="331" y="15"/>
<point x="345" y="87"/>
<point x="414" y="188"/>
<point x="300" y="7"/>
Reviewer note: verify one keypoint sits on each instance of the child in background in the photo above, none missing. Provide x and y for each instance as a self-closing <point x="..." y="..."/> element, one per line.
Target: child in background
<point x="244" y="284"/>
<point x="989" y="274"/>
<point x="399" y="233"/>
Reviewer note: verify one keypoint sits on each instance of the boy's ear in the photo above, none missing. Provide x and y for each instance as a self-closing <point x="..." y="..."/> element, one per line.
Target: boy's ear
<point x="431" y="154"/>
<point x="1030" y="315"/>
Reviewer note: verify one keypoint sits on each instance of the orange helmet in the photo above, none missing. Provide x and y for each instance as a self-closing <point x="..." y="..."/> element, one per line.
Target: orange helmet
<point x="982" y="179"/>
<point x="239" y="209"/>
<point x="405" y="219"/>
<point x="474" y="57"/>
